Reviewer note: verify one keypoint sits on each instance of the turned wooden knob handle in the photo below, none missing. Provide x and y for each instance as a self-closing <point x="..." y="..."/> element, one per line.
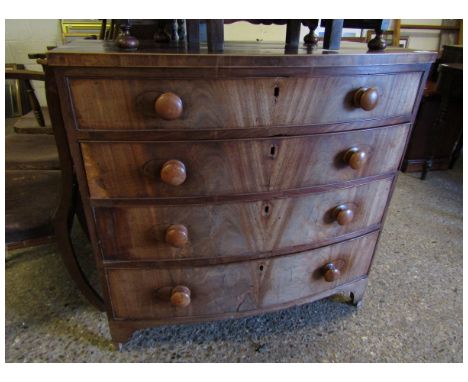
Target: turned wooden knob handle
<point x="331" y="272"/>
<point x="344" y="214"/>
<point x="176" y="235"/>
<point x="355" y="158"/>
<point x="366" y="98"/>
<point x="168" y="106"/>
<point x="180" y="296"/>
<point x="173" y="172"/>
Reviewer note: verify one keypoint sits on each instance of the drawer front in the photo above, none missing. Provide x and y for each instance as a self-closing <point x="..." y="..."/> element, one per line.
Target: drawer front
<point x="237" y="287"/>
<point x="238" y="229"/>
<point x="207" y="168"/>
<point x="136" y="104"/>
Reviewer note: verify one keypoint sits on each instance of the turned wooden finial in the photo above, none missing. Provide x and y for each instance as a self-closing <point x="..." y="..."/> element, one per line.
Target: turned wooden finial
<point x="311" y="38"/>
<point x="126" y="41"/>
<point x="378" y="42"/>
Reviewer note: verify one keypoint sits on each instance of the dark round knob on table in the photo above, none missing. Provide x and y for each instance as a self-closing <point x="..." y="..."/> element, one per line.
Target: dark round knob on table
<point x="180" y="296"/>
<point x="169" y="106"/>
<point x="176" y="235"/>
<point x="344" y="215"/>
<point x="366" y="98"/>
<point x="173" y="172"/>
<point x="331" y="272"/>
<point x="355" y="158"/>
<point x="126" y="41"/>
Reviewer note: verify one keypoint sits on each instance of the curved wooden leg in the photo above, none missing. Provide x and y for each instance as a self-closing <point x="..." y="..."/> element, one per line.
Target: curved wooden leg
<point x="357" y="293"/>
<point x="63" y="223"/>
<point x="63" y="220"/>
<point x="120" y="333"/>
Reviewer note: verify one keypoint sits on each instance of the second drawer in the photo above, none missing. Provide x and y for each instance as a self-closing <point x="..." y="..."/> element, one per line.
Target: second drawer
<point x="240" y="166"/>
<point x="238" y="229"/>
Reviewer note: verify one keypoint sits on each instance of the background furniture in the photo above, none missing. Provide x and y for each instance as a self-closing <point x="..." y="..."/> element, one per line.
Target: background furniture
<point x="449" y="116"/>
<point x="435" y="143"/>
<point x="79" y="29"/>
<point x="32" y="176"/>
<point x="17" y="102"/>
<point x="41" y="199"/>
<point x="394" y="37"/>
<point x="398" y="26"/>
<point x="211" y="185"/>
<point x="170" y="31"/>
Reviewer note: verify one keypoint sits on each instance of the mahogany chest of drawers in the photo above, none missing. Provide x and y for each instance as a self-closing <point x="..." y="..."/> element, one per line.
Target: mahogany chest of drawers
<point x="223" y="185"/>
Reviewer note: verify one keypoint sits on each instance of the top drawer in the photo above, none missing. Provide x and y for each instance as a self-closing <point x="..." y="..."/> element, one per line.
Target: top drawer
<point x="137" y="104"/>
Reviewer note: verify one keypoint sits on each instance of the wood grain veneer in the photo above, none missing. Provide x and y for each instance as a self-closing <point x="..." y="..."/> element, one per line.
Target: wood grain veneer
<point x="128" y="103"/>
<point x="220" y="185"/>
<point x="236" y="287"/>
<point x="133" y="170"/>
<point x="238" y="229"/>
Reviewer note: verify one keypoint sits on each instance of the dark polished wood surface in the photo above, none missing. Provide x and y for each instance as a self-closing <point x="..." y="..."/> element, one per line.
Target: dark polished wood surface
<point x="88" y="53"/>
<point x="242" y="228"/>
<point x="260" y="180"/>
<point x="239" y="103"/>
<point x="209" y="168"/>
<point x="237" y="287"/>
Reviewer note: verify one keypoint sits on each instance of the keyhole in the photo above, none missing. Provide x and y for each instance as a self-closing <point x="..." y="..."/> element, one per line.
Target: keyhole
<point x="273" y="151"/>
<point x="276" y="91"/>
<point x="266" y="210"/>
<point x="261" y="267"/>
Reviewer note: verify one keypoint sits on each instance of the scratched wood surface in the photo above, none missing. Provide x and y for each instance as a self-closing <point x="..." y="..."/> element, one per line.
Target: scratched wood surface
<point x="236" y="287"/>
<point x="126" y="103"/>
<point x="237" y="229"/>
<point x="132" y="169"/>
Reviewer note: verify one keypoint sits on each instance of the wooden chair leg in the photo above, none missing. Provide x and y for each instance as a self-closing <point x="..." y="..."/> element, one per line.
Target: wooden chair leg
<point x="102" y="34"/>
<point x="215" y="35"/>
<point x="34" y="104"/>
<point x="456" y="152"/>
<point x="193" y="35"/>
<point x="332" y="37"/>
<point x="293" y="31"/>
<point x="63" y="224"/>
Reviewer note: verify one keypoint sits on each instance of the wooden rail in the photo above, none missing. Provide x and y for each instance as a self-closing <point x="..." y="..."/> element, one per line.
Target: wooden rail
<point x="443" y="28"/>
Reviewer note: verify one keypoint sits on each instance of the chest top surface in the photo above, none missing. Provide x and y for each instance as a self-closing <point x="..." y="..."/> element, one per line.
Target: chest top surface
<point x="89" y="53"/>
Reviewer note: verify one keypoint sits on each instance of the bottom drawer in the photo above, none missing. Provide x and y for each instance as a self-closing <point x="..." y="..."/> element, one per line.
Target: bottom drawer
<point x="185" y="291"/>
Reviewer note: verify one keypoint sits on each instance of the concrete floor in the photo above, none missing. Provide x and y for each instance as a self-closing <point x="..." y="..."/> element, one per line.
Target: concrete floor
<point x="412" y="308"/>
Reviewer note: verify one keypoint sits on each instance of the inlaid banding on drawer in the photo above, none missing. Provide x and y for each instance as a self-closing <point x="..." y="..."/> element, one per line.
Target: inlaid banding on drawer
<point x="238" y="287"/>
<point x="226" y="167"/>
<point x="135" y="104"/>
<point x="238" y="230"/>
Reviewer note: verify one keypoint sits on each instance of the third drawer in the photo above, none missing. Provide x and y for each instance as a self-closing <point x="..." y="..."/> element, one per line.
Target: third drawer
<point x="240" y="229"/>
